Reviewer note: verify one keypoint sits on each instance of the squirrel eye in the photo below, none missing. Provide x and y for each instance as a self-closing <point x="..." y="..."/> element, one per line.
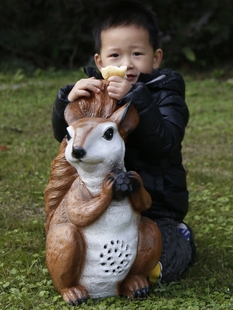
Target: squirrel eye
<point x="108" y="135"/>
<point x="68" y="136"/>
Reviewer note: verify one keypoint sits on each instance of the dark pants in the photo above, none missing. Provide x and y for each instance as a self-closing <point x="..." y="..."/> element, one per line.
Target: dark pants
<point x="176" y="253"/>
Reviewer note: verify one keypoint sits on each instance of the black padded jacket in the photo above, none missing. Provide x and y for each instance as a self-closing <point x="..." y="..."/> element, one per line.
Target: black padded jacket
<point x="154" y="148"/>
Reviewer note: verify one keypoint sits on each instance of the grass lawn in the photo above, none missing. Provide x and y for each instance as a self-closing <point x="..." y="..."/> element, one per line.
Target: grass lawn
<point x="27" y="147"/>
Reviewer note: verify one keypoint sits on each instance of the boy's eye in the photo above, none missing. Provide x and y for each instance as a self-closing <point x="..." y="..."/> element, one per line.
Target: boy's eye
<point x="114" y="55"/>
<point x="137" y="54"/>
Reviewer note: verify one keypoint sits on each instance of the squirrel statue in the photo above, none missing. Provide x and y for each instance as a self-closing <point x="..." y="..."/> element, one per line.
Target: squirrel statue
<point x="97" y="242"/>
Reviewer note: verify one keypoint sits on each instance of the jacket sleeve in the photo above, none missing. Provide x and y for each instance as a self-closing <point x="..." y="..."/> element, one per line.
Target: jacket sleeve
<point x="61" y="102"/>
<point x="163" y="115"/>
<point x="58" y="120"/>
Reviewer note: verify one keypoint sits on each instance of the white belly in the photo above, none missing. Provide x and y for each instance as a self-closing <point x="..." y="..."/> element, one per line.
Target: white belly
<point x="111" y="249"/>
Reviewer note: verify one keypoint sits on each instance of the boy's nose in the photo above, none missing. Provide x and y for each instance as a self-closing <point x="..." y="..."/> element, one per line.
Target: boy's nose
<point x="127" y="62"/>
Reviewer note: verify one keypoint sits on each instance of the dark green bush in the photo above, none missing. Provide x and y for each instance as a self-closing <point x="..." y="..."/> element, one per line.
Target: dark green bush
<point x="57" y="33"/>
<point x="196" y="31"/>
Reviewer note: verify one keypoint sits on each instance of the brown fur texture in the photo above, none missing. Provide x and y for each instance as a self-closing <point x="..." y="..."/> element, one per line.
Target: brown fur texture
<point x="61" y="177"/>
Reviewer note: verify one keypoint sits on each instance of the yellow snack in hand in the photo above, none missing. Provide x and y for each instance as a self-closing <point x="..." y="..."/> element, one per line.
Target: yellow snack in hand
<point x="113" y="71"/>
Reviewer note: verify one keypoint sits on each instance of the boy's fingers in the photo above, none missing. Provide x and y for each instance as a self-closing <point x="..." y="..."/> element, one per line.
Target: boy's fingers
<point x="77" y="94"/>
<point x="84" y="87"/>
<point x="100" y="84"/>
<point x="94" y="88"/>
<point x="115" y="78"/>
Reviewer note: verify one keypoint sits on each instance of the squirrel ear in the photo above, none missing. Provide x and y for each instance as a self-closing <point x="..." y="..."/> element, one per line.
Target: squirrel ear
<point x="126" y="118"/>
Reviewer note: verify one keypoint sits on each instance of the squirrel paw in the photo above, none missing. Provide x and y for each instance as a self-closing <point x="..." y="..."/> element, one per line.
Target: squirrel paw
<point x="75" y="295"/>
<point x="124" y="184"/>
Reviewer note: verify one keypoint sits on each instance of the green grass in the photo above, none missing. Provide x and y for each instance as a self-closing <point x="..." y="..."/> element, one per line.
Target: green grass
<point x="25" y="129"/>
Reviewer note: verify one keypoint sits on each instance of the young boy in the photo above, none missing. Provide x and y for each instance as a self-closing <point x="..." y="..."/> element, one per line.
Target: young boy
<point x="127" y="35"/>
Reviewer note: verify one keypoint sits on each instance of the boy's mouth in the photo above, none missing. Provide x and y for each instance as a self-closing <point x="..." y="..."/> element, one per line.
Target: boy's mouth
<point x="131" y="77"/>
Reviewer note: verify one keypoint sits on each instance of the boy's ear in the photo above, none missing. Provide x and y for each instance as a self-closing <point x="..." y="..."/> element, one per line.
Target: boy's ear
<point x="98" y="61"/>
<point x="158" y="56"/>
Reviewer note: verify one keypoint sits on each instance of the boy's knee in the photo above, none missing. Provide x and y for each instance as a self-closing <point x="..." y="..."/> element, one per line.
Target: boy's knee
<point x="176" y="262"/>
<point x="177" y="251"/>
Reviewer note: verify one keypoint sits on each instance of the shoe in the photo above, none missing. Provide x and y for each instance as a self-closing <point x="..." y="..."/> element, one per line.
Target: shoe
<point x="183" y="229"/>
<point x="186" y="231"/>
<point x="156" y="273"/>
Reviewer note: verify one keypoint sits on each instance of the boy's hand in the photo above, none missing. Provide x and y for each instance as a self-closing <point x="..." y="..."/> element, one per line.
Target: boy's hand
<point x="118" y="87"/>
<point x="83" y="88"/>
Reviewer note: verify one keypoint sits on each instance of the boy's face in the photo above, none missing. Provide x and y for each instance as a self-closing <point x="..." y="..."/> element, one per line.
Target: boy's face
<point x="128" y="46"/>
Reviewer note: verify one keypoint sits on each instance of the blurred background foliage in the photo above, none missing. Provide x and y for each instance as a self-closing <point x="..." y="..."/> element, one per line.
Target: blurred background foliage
<point x="58" y="33"/>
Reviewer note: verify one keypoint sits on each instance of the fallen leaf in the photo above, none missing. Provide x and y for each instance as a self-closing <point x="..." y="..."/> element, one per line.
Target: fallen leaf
<point x="3" y="148"/>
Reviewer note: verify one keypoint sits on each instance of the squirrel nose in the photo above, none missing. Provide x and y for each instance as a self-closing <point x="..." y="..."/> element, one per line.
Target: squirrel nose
<point x="78" y="152"/>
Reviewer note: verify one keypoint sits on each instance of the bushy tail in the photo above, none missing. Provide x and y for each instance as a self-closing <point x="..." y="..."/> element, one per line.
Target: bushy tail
<point x="61" y="178"/>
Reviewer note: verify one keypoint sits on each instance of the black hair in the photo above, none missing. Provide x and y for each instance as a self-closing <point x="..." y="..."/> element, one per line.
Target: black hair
<point x="127" y="13"/>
